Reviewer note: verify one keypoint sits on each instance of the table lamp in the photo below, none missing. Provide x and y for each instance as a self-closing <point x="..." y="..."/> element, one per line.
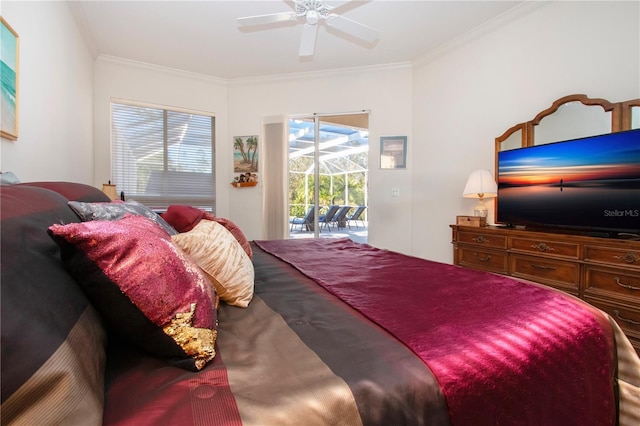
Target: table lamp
<point x="110" y="190"/>
<point x="480" y="185"/>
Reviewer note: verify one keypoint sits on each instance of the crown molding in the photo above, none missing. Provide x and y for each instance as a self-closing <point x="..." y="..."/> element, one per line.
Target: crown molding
<point x="159" y="68"/>
<point x="255" y="80"/>
<point x="499" y="21"/>
<point x="321" y="74"/>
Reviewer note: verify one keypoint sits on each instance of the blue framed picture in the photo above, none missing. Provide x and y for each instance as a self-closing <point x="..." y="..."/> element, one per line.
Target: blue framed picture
<point x="9" y="84"/>
<point x="393" y="152"/>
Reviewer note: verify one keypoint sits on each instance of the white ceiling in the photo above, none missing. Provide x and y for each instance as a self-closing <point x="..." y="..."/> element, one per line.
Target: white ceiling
<point x="204" y="37"/>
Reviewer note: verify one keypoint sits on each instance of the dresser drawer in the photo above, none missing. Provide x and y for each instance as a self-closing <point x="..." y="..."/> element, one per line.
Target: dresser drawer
<point x="551" y="248"/>
<point x="485" y="260"/>
<point x="484" y="240"/>
<point x="612" y="256"/>
<point x="556" y="273"/>
<point x="627" y="317"/>
<point x="615" y="283"/>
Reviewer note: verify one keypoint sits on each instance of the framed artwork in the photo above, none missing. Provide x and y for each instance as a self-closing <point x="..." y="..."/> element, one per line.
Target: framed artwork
<point x="9" y="85"/>
<point x="393" y="152"/>
<point x="245" y="154"/>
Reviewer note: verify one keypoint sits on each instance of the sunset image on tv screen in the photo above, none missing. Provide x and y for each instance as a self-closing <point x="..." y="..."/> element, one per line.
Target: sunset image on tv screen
<point x="589" y="182"/>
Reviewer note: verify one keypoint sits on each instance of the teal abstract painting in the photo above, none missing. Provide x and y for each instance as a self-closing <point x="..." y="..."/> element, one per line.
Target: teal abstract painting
<point x="9" y="80"/>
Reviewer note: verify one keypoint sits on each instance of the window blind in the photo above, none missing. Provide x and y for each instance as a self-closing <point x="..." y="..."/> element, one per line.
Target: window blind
<point x="162" y="156"/>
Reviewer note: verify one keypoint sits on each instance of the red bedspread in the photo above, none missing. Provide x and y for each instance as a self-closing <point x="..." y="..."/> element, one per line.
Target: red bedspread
<point x="503" y="351"/>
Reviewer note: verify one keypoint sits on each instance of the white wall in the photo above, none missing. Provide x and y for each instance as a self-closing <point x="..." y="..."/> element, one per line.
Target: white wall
<point x="55" y="127"/>
<point x="118" y="79"/>
<point x="467" y="97"/>
<point x="384" y="91"/>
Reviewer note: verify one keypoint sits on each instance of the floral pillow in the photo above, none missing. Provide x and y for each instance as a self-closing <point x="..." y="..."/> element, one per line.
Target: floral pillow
<point x="223" y="260"/>
<point x="146" y="288"/>
<point x="116" y="210"/>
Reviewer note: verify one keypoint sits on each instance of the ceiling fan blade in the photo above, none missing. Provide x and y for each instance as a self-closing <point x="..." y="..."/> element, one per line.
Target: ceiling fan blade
<point x="308" y="40"/>
<point x="267" y="19"/>
<point x="352" y="27"/>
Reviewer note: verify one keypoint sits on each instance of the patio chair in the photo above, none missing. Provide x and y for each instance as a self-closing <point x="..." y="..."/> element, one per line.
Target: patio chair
<point x="355" y="217"/>
<point x="325" y="219"/>
<point x="340" y="219"/>
<point x="306" y="221"/>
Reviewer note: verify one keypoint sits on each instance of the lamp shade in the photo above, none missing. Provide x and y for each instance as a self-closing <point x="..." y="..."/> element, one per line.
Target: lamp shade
<point x="480" y="185"/>
<point x="110" y="190"/>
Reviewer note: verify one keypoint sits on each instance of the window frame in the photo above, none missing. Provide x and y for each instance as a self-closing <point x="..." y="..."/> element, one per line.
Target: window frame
<point x="164" y="199"/>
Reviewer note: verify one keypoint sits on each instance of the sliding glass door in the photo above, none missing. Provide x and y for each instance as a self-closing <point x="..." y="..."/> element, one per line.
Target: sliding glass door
<point x="328" y="172"/>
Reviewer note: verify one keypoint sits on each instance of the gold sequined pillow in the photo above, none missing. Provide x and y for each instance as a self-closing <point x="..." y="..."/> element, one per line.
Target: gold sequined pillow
<point x="147" y="289"/>
<point x="222" y="258"/>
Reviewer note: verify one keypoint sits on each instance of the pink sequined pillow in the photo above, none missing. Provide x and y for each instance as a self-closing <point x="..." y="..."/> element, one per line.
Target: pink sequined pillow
<point x="146" y="288"/>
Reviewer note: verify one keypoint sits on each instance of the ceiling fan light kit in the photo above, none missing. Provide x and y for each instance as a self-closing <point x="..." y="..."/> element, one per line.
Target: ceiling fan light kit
<point x="312" y="17"/>
<point x="314" y="12"/>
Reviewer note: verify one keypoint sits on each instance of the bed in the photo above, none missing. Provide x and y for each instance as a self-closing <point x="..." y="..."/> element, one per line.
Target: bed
<point x="342" y="333"/>
<point x="336" y="333"/>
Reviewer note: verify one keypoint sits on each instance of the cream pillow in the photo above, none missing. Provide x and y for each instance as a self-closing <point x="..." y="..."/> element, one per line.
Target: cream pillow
<point x="217" y="252"/>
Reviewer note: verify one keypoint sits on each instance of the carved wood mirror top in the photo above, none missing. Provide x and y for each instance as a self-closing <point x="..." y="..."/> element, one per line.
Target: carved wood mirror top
<point x="571" y="117"/>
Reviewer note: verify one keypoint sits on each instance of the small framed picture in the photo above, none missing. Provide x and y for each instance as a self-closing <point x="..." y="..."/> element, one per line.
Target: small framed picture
<point x="393" y="152"/>
<point x="245" y="154"/>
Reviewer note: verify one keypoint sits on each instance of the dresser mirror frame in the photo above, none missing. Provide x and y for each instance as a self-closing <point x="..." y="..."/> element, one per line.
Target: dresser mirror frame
<point x="631" y="114"/>
<point x="611" y="117"/>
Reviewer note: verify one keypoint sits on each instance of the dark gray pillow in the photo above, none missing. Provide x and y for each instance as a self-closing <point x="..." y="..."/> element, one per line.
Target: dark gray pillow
<point x="116" y="210"/>
<point x="53" y="341"/>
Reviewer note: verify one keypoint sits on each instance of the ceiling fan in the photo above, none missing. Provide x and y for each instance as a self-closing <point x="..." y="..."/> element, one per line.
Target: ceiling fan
<point x="313" y="12"/>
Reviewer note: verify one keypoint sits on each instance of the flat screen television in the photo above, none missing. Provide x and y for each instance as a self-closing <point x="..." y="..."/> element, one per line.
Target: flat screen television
<point x="590" y="184"/>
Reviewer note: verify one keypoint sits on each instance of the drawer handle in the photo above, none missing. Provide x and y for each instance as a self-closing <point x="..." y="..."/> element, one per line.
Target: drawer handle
<point x="545" y="267"/>
<point x="621" y="318"/>
<point x="621" y="284"/>
<point x="482" y="259"/>
<point x="542" y="247"/>
<point x="480" y="239"/>
<point x="628" y="257"/>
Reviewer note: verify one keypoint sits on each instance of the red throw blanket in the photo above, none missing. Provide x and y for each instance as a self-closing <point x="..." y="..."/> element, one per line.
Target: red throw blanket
<point x="503" y="351"/>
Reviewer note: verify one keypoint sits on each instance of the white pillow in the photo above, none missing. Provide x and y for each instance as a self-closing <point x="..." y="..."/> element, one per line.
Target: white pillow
<point x="217" y="252"/>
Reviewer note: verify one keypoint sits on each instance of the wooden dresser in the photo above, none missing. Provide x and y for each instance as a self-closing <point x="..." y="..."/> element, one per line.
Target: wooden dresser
<point x="602" y="271"/>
